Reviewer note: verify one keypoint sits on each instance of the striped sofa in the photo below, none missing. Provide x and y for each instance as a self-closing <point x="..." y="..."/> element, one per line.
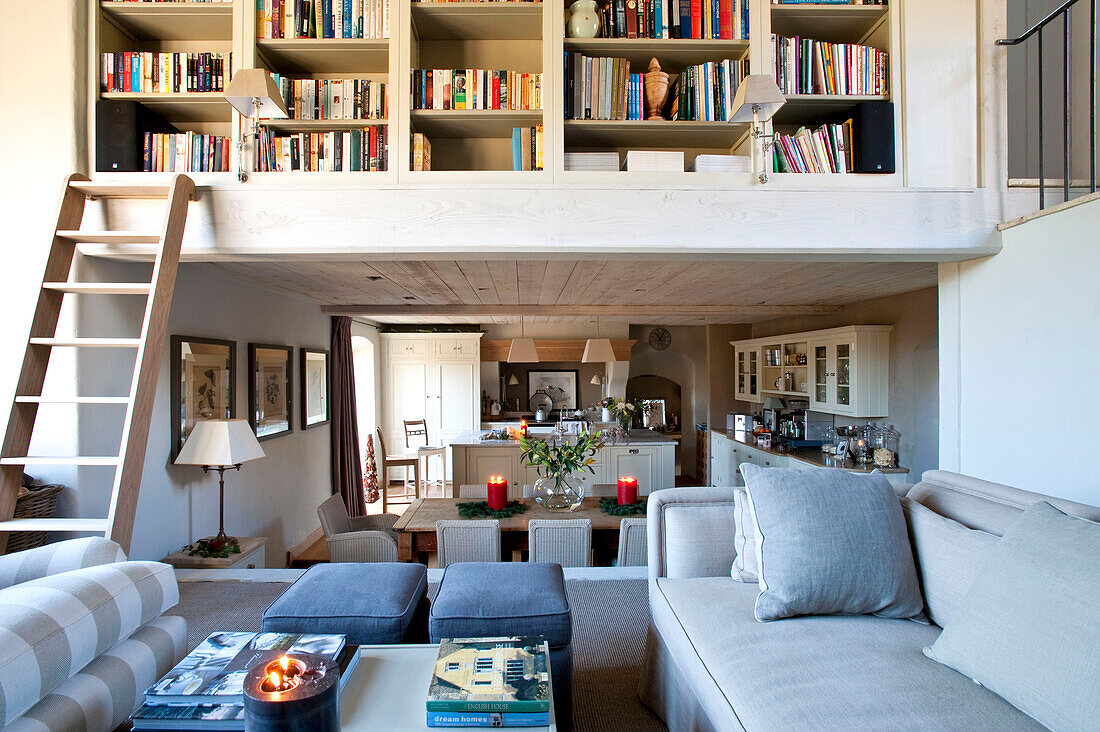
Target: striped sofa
<point x="82" y="634"/>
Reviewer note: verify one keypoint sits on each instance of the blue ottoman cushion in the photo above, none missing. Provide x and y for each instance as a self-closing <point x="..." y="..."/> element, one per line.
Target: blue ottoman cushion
<point x="479" y="599"/>
<point x="372" y="603"/>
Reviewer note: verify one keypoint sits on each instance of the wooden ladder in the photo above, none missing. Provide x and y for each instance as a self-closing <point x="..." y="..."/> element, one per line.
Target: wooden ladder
<point x="128" y="464"/>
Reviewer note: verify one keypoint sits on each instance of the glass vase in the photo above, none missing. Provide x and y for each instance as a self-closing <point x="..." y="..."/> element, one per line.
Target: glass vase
<point x="559" y="491"/>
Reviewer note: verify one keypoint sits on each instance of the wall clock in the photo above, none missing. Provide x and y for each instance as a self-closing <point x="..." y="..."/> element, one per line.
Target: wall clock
<point x="659" y="339"/>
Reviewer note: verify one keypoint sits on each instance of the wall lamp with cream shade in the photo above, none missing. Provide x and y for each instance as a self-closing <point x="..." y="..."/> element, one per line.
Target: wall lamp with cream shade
<point x="758" y="98"/>
<point x="253" y="93"/>
<point x="221" y="445"/>
<point x="522" y="350"/>
<point x="598" y="350"/>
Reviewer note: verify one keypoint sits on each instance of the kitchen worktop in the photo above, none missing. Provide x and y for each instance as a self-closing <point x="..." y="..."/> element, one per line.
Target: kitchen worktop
<point x="809" y="455"/>
<point x="472" y="438"/>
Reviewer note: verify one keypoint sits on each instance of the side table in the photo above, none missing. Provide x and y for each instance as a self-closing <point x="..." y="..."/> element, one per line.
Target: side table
<point x="252" y="556"/>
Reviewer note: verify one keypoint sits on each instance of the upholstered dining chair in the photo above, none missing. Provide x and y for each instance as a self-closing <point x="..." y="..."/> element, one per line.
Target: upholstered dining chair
<point x="473" y="491"/>
<point x="632" y="543"/>
<point x="358" y="539"/>
<point x="389" y="462"/>
<point x="473" y="540"/>
<point x="567" y="542"/>
<point x="415" y="431"/>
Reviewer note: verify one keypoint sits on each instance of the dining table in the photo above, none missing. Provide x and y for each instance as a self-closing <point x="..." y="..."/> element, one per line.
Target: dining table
<point x="416" y="527"/>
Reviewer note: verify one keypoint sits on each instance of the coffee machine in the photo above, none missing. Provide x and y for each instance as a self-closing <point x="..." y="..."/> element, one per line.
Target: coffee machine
<point x="803" y="428"/>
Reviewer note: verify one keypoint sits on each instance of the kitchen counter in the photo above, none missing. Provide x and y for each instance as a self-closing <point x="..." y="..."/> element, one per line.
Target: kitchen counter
<point x="472" y="438"/>
<point x="809" y="455"/>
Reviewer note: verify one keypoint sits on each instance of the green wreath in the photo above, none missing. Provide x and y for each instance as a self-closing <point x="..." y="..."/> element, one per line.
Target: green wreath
<point x="480" y="509"/>
<point x="611" y="507"/>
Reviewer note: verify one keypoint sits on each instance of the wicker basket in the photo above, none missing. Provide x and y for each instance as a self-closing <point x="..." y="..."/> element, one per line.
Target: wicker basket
<point x="40" y="502"/>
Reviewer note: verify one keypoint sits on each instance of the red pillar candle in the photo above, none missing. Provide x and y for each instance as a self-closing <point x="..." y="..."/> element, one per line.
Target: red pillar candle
<point x="628" y="490"/>
<point x="497" y="492"/>
<point x="523" y="427"/>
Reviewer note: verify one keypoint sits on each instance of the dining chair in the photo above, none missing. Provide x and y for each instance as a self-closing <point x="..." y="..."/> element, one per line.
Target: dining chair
<point x="358" y="539"/>
<point x="415" y="430"/>
<point x="462" y="540"/>
<point x="389" y="462"/>
<point x="473" y="491"/>
<point x="632" y="543"/>
<point x="567" y="542"/>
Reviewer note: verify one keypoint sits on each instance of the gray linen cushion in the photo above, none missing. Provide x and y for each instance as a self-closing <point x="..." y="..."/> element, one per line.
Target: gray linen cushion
<point x="1028" y="629"/>
<point x="949" y="556"/>
<point x="830" y="543"/>
<point x="744" y="541"/>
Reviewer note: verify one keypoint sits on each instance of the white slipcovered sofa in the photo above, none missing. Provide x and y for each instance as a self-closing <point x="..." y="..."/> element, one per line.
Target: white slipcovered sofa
<point x="82" y="634"/>
<point x="711" y="666"/>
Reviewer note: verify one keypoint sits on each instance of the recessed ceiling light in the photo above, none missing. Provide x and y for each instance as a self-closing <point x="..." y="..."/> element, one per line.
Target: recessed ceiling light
<point x="483" y="289"/>
<point x="409" y="297"/>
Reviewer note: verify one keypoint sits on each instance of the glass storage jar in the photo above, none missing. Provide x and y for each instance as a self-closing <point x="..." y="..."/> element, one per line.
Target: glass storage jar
<point x="863" y="452"/>
<point x="886" y="447"/>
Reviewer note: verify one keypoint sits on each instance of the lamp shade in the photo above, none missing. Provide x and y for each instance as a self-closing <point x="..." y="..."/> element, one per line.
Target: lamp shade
<point x="513" y="381"/>
<point x="761" y="91"/>
<point x="220" y="442"/>
<point x="773" y="403"/>
<point x="250" y="85"/>
<point x="597" y="380"/>
<point x="598" y="350"/>
<point x="522" y="350"/>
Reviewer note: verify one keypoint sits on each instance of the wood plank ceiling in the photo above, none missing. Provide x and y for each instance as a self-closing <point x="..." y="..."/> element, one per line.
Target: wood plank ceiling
<point x="672" y="292"/>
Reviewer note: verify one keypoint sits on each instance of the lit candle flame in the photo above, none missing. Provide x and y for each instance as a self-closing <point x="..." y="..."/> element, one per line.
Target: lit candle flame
<point x="276" y="680"/>
<point x="284" y="662"/>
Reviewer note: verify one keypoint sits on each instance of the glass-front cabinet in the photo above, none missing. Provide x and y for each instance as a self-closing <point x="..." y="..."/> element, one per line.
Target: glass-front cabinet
<point x="840" y="370"/>
<point x="747" y="373"/>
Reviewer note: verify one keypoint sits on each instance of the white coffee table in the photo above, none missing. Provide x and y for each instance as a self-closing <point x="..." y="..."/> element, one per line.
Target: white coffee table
<point x="388" y="689"/>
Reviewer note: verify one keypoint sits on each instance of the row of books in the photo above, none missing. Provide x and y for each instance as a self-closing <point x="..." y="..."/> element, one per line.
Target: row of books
<point x="828" y="2"/>
<point x="333" y="98"/>
<point x="490" y="682"/>
<point x="323" y="19"/>
<point x="704" y="93"/>
<point x="711" y="19"/>
<point x="150" y="72"/>
<point x="656" y="161"/>
<point x="421" y="152"/>
<point x="527" y="148"/>
<point x="185" y="152"/>
<point x="364" y="150"/>
<point x="828" y="149"/>
<point x="205" y="691"/>
<point x="601" y="88"/>
<point x="475" y="89"/>
<point x="806" y="66"/>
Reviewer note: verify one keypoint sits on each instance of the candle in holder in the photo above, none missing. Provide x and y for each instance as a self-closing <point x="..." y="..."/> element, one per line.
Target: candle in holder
<point x="292" y="692"/>
<point x="628" y="490"/>
<point x="523" y="427"/>
<point x="497" y="492"/>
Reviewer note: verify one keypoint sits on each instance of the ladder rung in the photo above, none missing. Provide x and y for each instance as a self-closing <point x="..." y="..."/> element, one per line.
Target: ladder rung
<point x="119" y="190"/>
<point x="99" y="288"/>
<point x="60" y="460"/>
<point x="87" y="342"/>
<point x="111" y="237"/>
<point x="73" y="400"/>
<point x="54" y="524"/>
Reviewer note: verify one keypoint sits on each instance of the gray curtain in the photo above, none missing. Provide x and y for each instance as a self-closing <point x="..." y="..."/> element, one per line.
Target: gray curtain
<point x="347" y="472"/>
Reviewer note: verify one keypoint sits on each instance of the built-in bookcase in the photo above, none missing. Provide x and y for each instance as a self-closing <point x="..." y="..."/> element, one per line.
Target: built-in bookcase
<point x="474" y="146"/>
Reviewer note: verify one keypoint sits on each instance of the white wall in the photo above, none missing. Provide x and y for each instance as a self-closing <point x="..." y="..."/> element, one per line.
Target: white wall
<point x="1019" y="358"/>
<point x="275" y="496"/>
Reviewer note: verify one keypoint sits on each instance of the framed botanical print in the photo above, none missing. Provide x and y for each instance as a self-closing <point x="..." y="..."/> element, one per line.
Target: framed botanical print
<point x="313" y="365"/>
<point x="204" y="384"/>
<point x="270" y="375"/>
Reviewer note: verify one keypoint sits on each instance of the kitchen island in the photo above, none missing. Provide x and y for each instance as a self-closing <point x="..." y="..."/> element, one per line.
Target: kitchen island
<point x="644" y="454"/>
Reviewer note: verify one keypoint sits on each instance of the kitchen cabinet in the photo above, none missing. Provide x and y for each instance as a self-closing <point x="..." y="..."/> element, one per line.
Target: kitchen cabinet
<point x="482" y="463"/>
<point x="644" y="462"/>
<point x="747" y="373"/>
<point x="847" y="370"/>
<point x="721" y="460"/>
<point x="432" y="377"/>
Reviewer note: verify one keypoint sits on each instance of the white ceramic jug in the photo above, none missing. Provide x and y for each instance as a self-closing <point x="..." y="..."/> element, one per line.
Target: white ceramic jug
<point x="583" y="20"/>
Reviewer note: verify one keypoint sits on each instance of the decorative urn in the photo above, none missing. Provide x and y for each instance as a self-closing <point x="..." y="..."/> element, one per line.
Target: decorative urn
<point x="656" y="90"/>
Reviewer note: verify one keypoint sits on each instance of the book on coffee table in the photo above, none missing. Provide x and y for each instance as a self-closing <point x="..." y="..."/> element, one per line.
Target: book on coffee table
<point x="509" y="674"/>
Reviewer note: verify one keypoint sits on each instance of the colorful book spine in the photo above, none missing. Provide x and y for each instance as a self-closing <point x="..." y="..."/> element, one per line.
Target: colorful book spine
<point x="488" y="719"/>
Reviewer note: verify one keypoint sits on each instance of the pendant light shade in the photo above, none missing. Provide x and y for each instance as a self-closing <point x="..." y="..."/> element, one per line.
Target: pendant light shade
<point x="598" y="350"/>
<point x="597" y="380"/>
<point x="522" y="350"/>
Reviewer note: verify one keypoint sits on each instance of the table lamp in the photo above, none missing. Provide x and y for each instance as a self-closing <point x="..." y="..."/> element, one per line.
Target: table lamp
<point x="220" y="444"/>
<point x="253" y="93"/>
<point x="758" y="98"/>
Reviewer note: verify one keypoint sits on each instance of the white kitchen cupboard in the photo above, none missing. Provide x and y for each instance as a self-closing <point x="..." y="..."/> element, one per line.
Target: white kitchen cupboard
<point x="721" y="460"/>
<point x="649" y="464"/>
<point x="484" y="462"/>
<point x="747" y="373"/>
<point x="847" y="370"/>
<point x="432" y="377"/>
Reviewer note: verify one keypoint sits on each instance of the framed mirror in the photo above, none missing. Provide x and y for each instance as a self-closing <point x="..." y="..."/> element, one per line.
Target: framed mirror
<point x="270" y="374"/>
<point x="313" y="366"/>
<point x="203" y="384"/>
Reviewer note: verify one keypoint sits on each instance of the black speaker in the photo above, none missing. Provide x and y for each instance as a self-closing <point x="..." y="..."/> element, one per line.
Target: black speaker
<point x="873" y="137"/>
<point x="120" y="129"/>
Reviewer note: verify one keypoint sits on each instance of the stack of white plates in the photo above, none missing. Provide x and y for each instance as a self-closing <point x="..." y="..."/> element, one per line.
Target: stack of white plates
<point x="654" y="161"/>
<point x="721" y="164"/>
<point x="592" y="161"/>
